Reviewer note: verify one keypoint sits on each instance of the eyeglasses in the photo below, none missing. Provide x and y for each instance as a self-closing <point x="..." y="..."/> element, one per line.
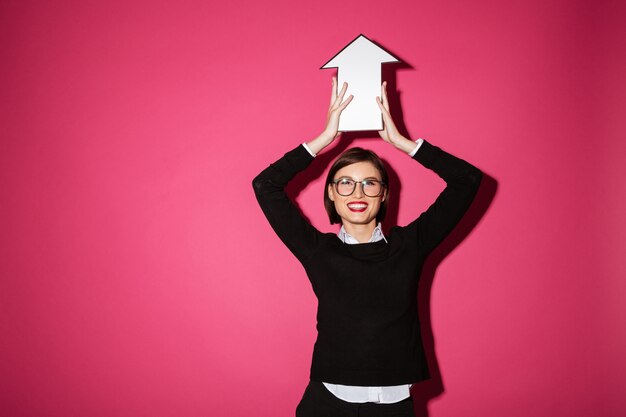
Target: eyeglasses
<point x="346" y="186"/>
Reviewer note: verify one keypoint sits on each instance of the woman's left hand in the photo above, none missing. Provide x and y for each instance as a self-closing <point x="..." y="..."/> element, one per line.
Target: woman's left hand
<point x="390" y="132"/>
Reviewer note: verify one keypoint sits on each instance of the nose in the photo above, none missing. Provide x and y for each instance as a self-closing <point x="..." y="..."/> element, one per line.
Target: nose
<point x="358" y="190"/>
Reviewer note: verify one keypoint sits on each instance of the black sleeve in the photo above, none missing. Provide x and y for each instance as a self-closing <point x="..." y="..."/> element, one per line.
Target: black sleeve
<point x="462" y="182"/>
<point x="283" y="215"/>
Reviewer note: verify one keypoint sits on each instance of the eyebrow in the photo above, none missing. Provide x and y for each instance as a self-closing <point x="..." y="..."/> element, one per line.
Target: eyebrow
<point x="350" y="178"/>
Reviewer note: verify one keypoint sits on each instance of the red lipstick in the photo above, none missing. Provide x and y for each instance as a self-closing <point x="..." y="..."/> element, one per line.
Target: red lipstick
<point x="357" y="206"/>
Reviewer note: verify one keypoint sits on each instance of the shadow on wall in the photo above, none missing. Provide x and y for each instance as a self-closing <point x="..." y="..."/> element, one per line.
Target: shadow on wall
<point x="422" y="392"/>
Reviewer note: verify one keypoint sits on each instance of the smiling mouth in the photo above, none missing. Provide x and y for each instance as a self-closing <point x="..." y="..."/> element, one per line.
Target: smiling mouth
<point x="357" y="207"/>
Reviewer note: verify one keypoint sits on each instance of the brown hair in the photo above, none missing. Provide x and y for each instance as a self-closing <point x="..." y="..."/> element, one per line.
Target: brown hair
<point x="349" y="157"/>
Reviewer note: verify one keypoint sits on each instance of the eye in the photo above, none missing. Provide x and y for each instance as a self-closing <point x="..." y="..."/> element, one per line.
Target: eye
<point x="345" y="181"/>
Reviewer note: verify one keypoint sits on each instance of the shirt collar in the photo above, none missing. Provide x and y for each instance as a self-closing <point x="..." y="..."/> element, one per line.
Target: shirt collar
<point x="377" y="235"/>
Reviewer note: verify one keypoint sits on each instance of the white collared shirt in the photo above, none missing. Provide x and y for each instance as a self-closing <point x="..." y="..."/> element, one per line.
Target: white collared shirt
<point x="346" y="237"/>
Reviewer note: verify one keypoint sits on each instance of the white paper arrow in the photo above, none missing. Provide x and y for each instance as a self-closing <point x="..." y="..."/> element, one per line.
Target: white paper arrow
<point x="360" y="64"/>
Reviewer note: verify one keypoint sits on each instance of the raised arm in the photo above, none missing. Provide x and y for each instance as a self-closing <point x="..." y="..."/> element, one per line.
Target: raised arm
<point x="269" y="186"/>
<point x="283" y="215"/>
<point x="462" y="182"/>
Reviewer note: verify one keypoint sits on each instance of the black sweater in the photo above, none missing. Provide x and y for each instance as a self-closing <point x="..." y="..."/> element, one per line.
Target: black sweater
<point x="367" y="324"/>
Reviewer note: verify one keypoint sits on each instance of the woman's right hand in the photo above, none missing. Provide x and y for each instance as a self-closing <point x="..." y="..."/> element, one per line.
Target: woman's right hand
<point x="331" y="132"/>
<point x="337" y="104"/>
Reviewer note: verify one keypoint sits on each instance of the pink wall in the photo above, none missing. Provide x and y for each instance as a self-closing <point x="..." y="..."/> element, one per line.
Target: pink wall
<point x="139" y="277"/>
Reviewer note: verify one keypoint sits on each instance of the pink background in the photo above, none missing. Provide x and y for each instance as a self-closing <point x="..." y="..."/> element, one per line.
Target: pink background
<point x="139" y="277"/>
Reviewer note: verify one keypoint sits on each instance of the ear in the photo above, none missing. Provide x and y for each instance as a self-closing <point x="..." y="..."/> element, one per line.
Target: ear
<point x="384" y="197"/>
<point x="331" y="194"/>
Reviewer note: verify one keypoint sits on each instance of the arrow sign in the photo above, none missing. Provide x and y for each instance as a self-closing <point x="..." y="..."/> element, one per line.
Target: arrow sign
<point x="360" y="65"/>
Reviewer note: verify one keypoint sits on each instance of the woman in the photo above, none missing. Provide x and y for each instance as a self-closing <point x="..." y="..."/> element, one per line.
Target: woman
<point x="368" y="350"/>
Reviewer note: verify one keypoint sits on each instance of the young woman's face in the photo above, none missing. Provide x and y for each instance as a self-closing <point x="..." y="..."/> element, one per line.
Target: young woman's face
<point x="357" y="208"/>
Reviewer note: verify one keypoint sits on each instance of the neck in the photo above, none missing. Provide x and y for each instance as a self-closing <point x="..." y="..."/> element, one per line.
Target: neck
<point x="361" y="232"/>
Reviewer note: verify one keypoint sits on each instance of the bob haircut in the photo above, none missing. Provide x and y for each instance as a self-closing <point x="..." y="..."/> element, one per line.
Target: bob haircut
<point x="349" y="157"/>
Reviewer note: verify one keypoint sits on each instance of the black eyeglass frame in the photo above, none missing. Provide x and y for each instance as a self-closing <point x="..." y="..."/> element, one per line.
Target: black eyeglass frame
<point x="337" y="181"/>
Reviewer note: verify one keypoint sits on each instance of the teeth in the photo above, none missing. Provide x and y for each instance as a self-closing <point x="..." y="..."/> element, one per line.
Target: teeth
<point x="357" y="205"/>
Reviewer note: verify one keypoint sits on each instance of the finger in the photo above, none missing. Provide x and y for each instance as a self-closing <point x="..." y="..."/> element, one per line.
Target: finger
<point x="387" y="120"/>
<point x="333" y="95"/>
<point x="384" y="98"/>
<point x="382" y="89"/>
<point x="344" y="88"/>
<point x="346" y="102"/>
<point x="382" y="108"/>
